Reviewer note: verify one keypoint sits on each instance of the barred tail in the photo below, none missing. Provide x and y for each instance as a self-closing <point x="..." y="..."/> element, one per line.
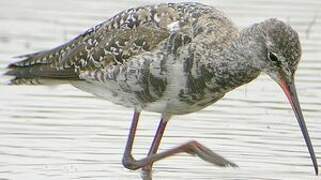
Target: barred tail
<point x="39" y="68"/>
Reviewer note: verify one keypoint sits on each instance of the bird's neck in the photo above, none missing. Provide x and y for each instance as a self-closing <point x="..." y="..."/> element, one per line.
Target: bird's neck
<point x="238" y="64"/>
<point x="250" y="46"/>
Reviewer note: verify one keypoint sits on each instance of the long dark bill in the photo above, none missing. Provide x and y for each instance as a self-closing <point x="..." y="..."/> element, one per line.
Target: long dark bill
<point x="290" y="91"/>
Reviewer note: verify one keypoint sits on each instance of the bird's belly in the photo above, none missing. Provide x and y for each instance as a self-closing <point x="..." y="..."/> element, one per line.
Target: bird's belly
<point x="177" y="105"/>
<point x="172" y="107"/>
<point x="171" y="104"/>
<point x="115" y="95"/>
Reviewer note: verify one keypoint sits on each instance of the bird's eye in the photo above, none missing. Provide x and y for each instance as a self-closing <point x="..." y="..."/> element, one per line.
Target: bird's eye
<point x="273" y="57"/>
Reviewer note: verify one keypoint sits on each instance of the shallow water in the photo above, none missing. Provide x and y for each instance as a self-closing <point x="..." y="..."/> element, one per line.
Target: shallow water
<point x="63" y="133"/>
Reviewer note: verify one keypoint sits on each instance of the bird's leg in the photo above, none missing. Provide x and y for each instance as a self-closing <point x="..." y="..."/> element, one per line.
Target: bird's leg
<point x="192" y="147"/>
<point x="128" y="160"/>
<point x="154" y="147"/>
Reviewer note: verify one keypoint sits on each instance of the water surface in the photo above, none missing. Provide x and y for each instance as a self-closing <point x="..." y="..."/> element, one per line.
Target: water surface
<point x="63" y="133"/>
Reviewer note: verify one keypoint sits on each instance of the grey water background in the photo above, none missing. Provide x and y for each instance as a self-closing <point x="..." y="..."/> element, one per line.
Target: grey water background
<point x="62" y="133"/>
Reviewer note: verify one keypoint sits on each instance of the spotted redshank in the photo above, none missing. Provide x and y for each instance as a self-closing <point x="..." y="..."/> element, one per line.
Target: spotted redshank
<point x="173" y="58"/>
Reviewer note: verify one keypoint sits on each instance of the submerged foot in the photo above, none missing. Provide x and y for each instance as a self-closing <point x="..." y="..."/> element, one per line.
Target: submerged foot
<point x="146" y="174"/>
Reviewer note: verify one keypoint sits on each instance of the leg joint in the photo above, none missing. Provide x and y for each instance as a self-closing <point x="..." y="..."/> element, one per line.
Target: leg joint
<point x="130" y="163"/>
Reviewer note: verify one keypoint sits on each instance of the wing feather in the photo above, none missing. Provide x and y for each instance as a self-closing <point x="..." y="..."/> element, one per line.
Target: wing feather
<point x="120" y="39"/>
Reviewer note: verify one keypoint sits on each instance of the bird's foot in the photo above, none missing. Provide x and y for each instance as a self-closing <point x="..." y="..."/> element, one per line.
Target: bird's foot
<point x="146" y="174"/>
<point x="195" y="148"/>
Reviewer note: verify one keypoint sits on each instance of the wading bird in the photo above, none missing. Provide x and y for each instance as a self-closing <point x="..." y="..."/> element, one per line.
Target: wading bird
<point x="173" y="59"/>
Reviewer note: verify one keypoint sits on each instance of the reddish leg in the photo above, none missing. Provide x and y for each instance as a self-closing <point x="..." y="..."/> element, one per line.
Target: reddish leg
<point x="127" y="157"/>
<point x="154" y="147"/>
<point x="192" y="147"/>
<point x="155" y="144"/>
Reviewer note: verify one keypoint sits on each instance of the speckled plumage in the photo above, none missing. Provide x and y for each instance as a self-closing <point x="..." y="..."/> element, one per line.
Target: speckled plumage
<point x="173" y="58"/>
<point x="131" y="59"/>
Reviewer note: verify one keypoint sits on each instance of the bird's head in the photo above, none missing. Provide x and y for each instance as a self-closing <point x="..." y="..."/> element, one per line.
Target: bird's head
<point x="282" y="50"/>
<point x="282" y="53"/>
